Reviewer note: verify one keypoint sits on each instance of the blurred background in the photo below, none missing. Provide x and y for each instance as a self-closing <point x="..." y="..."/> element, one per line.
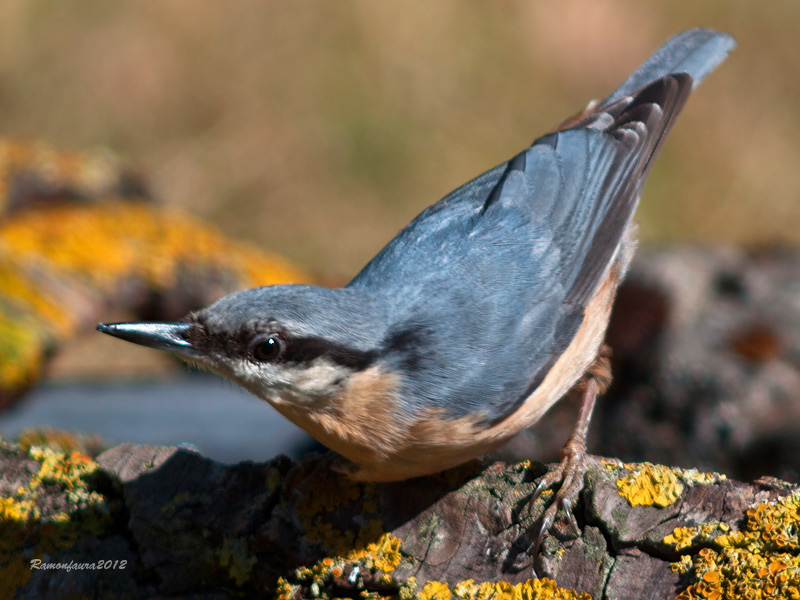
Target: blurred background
<point x="317" y="130"/>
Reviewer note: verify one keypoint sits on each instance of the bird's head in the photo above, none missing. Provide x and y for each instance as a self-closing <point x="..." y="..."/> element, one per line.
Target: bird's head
<point x="287" y="343"/>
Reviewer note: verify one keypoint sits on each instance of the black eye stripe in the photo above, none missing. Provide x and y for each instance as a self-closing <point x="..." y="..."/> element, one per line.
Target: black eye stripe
<point x="300" y="350"/>
<point x="295" y="349"/>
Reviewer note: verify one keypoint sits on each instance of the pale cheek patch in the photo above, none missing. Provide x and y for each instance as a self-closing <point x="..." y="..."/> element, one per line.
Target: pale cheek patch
<point x="321" y="378"/>
<point x="286" y="383"/>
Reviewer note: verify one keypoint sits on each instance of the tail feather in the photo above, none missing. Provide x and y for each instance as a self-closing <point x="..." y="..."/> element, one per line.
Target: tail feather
<point x="694" y="51"/>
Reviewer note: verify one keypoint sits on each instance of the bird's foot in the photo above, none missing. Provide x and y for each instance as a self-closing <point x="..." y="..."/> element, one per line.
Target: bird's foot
<point x="569" y="473"/>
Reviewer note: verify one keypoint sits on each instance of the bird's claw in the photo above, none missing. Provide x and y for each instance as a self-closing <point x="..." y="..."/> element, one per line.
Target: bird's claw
<point x="572" y="467"/>
<point x="569" y="472"/>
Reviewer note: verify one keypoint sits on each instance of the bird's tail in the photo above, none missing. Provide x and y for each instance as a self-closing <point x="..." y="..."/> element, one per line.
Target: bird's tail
<point x="694" y="51"/>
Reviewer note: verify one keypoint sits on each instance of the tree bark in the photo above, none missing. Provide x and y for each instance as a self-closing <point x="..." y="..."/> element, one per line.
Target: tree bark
<point x="189" y="527"/>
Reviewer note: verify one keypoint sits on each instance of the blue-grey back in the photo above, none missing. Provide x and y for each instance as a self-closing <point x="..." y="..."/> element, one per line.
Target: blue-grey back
<point x="500" y="271"/>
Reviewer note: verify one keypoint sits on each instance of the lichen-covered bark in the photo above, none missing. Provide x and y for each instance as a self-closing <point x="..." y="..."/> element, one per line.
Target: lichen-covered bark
<point x="190" y="527"/>
<point x="78" y="235"/>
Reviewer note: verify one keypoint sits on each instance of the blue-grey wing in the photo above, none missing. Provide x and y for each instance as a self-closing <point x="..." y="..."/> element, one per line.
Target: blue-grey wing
<point x="695" y="52"/>
<point x="496" y="276"/>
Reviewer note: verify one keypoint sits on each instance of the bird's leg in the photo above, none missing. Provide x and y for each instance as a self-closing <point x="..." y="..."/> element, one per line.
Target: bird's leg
<point x="572" y="467"/>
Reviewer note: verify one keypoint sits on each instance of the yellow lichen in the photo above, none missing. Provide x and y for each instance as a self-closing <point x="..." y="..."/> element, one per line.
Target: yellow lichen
<point x="612" y="464"/>
<point x="646" y="484"/>
<point x="285" y="590"/>
<point x="650" y="485"/>
<point x="54" y="252"/>
<point x="25" y="294"/>
<point x="71" y="236"/>
<point x="681" y="537"/>
<point x="761" y="561"/>
<point x="62" y="468"/>
<point x="683" y="566"/>
<point x="17" y="510"/>
<point x="383" y="554"/>
<point x="68" y="471"/>
<point x="102" y="243"/>
<point x="695" y="477"/>
<point x="435" y="590"/>
<point x="532" y="589"/>
<point x="684" y="537"/>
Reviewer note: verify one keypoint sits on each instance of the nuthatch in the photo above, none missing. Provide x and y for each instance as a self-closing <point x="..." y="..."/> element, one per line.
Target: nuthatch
<point x="480" y="315"/>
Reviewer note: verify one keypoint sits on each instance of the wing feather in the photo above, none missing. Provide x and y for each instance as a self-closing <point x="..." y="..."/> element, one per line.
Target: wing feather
<point x="544" y="227"/>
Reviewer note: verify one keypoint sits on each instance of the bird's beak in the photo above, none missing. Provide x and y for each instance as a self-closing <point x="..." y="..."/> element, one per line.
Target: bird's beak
<point x="162" y="336"/>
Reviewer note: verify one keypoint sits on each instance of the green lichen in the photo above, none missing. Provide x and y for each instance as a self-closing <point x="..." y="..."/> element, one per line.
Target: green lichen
<point x="760" y="561"/>
<point x="21" y="349"/>
<point x="274" y="481"/>
<point x="235" y="557"/>
<point x="332" y="490"/>
<point x="52" y="507"/>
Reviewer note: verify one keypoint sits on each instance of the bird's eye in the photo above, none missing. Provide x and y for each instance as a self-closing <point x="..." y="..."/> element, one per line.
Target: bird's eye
<point x="266" y="347"/>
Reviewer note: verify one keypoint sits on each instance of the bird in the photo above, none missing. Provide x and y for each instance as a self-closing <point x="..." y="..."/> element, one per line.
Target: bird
<point x="482" y="313"/>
